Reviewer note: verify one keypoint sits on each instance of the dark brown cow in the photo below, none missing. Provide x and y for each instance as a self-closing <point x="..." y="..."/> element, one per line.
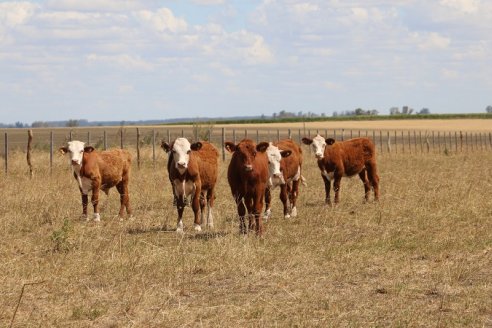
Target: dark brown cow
<point x="193" y="170"/>
<point x="248" y="175"/>
<point x="95" y="171"/>
<point x="284" y="166"/>
<point x="346" y="158"/>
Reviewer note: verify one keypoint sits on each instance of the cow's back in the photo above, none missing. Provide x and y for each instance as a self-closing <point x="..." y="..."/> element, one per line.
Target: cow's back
<point x="355" y="154"/>
<point x="208" y="163"/>
<point x="290" y="164"/>
<point x="113" y="165"/>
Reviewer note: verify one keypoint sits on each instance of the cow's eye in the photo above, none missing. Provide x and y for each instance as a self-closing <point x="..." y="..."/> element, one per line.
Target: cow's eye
<point x="254" y="154"/>
<point x="189" y="151"/>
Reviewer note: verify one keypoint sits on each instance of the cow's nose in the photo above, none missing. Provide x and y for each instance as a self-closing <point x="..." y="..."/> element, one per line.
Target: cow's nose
<point x="182" y="164"/>
<point x="74" y="162"/>
<point x="248" y="167"/>
<point x="319" y="155"/>
<point x="278" y="175"/>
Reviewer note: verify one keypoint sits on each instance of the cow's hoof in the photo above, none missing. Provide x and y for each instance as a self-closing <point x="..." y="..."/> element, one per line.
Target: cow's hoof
<point x="198" y="227"/>
<point x="179" y="230"/>
<point x="287" y="216"/>
<point x="97" y="217"/>
<point x="293" y="213"/>
<point x="84" y="217"/>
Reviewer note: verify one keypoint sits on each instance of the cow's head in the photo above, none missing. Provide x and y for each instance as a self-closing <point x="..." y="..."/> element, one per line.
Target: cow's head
<point x="75" y="149"/>
<point x="318" y="145"/>
<point x="275" y="155"/>
<point x="181" y="149"/>
<point x="246" y="151"/>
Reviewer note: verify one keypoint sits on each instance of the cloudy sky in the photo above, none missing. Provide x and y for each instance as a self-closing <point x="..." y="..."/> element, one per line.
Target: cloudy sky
<point x="136" y="60"/>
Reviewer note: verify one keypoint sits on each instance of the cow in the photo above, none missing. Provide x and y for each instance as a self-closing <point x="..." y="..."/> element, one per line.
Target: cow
<point x="95" y="171"/>
<point x="284" y="166"/>
<point x="247" y="175"/>
<point x="193" y="170"/>
<point x="345" y="158"/>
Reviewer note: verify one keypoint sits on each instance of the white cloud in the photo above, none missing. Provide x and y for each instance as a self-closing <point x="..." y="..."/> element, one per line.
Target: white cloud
<point x="163" y="20"/>
<point x="209" y="2"/>
<point x="332" y="85"/>
<point x="123" y="60"/>
<point x="304" y="8"/>
<point x="16" y="13"/>
<point x="430" y="41"/>
<point x="94" y="5"/>
<point x="449" y="74"/>
<point x="466" y="6"/>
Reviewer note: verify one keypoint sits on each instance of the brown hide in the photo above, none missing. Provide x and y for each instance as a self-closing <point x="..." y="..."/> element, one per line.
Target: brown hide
<point x="247" y="175"/>
<point x="289" y="167"/>
<point x="202" y="170"/>
<point x="107" y="169"/>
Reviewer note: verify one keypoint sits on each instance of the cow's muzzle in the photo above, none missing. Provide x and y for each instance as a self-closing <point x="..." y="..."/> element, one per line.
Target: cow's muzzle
<point x="319" y="155"/>
<point x="248" y="168"/>
<point x="74" y="162"/>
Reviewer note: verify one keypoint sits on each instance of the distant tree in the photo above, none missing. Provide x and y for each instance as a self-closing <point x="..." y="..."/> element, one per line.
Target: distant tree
<point x="423" y="111"/>
<point x="335" y="114"/>
<point x="19" y="124"/>
<point x="72" y="123"/>
<point x="488" y="109"/>
<point x="406" y="110"/>
<point x="39" y="124"/>
<point x="394" y="111"/>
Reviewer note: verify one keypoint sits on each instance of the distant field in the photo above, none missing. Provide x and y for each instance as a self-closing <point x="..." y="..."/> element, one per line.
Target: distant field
<point x="420" y="257"/>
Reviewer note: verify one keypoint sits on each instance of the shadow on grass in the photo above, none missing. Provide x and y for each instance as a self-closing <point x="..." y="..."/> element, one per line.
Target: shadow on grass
<point x="138" y="231"/>
<point x="208" y="235"/>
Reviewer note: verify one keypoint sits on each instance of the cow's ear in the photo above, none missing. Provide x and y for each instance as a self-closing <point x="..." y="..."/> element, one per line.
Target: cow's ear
<point x="88" y="149"/>
<point x="307" y="141"/>
<point x="165" y="146"/>
<point x="330" y="141"/>
<point x="63" y="150"/>
<point x="230" y="146"/>
<point x="262" y="146"/>
<point x="196" y="146"/>
<point x="285" y="153"/>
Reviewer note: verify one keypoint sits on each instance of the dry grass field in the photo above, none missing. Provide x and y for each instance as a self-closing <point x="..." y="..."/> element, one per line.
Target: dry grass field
<point x="422" y="256"/>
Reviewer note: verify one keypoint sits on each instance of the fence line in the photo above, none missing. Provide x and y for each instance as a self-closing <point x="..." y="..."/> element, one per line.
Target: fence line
<point x="387" y="142"/>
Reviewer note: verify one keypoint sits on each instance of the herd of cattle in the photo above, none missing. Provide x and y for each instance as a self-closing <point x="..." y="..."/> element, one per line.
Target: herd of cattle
<point x="254" y="170"/>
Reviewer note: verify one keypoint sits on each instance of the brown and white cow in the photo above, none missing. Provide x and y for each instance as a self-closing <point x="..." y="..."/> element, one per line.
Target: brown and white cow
<point x="346" y="158"/>
<point x="248" y="176"/>
<point x="284" y="166"/>
<point x="193" y="170"/>
<point x="95" y="171"/>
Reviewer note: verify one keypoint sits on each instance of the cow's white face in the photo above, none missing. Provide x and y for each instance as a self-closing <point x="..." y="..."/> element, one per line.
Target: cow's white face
<point x="181" y="154"/>
<point x="75" y="149"/>
<point x="275" y="155"/>
<point x="319" y="145"/>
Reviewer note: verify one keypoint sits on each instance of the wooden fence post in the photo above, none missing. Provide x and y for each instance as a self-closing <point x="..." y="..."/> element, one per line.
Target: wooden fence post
<point x="396" y="143"/>
<point x="105" y="140"/>
<point x="223" y="144"/>
<point x="289" y="134"/>
<point x="439" y="141"/>
<point x="121" y="138"/>
<point x="28" y="156"/>
<point x="388" y="142"/>
<point x="402" y="143"/>
<point x="300" y="138"/>
<point x="245" y="133"/>
<point x="456" y="142"/>
<point x="343" y="130"/>
<point x="88" y="137"/>
<point x="415" y="141"/>
<point x="70" y="135"/>
<point x="168" y="136"/>
<point x="381" y="140"/>
<point x="51" y="152"/>
<point x="409" y="143"/>
<point x="427" y="142"/>
<point x="153" y="147"/>
<point x="351" y="135"/>
<point x="138" y="148"/>
<point x="278" y="135"/>
<point x="490" y="139"/>
<point x="445" y="143"/>
<point x="234" y="136"/>
<point x="433" y="143"/>
<point x="6" y="153"/>
<point x="257" y="136"/>
<point x="461" y="141"/>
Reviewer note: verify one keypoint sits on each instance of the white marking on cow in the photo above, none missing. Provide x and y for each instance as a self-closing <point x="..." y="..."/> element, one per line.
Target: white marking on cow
<point x="276" y="177"/>
<point x="97" y="217"/>
<point x="184" y="187"/>
<point x="327" y="175"/>
<point x="180" y="226"/>
<point x="181" y="154"/>
<point x="293" y="212"/>
<point x="319" y="145"/>
<point x="197" y="227"/>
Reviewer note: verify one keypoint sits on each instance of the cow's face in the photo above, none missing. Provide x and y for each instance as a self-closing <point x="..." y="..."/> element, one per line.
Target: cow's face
<point x="75" y="149"/>
<point x="181" y="154"/>
<point x="246" y="152"/>
<point x="274" y="156"/>
<point x="318" y="144"/>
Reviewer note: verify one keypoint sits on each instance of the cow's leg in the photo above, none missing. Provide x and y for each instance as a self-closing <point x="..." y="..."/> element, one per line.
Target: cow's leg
<point x="327" y="189"/>
<point x="85" y="202"/>
<point x="365" y="181"/>
<point x="195" y="205"/>
<point x="258" y="211"/>
<point x="95" y="199"/>
<point x="336" y="186"/>
<point x="203" y="203"/>
<point x="180" y="204"/>
<point x="241" y="211"/>
<point x="372" y="174"/>
<point x="249" y="202"/>
<point x="284" y="199"/>
<point x="122" y="188"/>
<point x="210" y="203"/>
<point x="294" y="192"/>
<point x="268" y="204"/>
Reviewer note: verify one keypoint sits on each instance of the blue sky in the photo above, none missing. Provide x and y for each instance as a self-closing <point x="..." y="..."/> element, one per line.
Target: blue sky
<point x="137" y="60"/>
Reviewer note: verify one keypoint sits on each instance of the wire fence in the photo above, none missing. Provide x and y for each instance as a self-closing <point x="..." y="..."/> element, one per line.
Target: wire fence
<point x="386" y="141"/>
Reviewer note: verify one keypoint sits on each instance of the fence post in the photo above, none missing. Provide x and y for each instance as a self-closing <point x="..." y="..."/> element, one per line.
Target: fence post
<point x="88" y="137"/>
<point x="168" y="136"/>
<point x="343" y="130"/>
<point x="70" y="135"/>
<point x="290" y="134"/>
<point x="409" y="143"/>
<point x="51" y="152"/>
<point x="28" y="156"/>
<point x="105" y="140"/>
<point x="121" y="138"/>
<point x="300" y="138"/>
<point x="6" y="153"/>
<point x="257" y="136"/>
<point x="433" y="143"/>
<point x="223" y="144"/>
<point x="439" y="141"/>
<point x="490" y="139"/>
<point x="396" y="143"/>
<point x="153" y="147"/>
<point x="326" y="133"/>
<point x="278" y="135"/>
<point x="415" y="141"/>
<point x="388" y="142"/>
<point x="234" y="136"/>
<point x="138" y="148"/>
<point x="245" y="133"/>
<point x="427" y="141"/>
<point x="461" y="141"/>
<point x="380" y="140"/>
<point x="402" y="143"/>
<point x="420" y="139"/>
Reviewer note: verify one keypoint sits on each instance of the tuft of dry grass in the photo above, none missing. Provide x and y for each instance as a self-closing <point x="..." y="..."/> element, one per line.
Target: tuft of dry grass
<point x="422" y="256"/>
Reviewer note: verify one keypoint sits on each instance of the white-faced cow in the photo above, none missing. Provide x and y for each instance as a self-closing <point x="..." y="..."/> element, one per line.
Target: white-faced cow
<point x="284" y="166"/>
<point x="248" y="175"/>
<point x="95" y="171"/>
<point x="345" y="158"/>
<point x="193" y="170"/>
